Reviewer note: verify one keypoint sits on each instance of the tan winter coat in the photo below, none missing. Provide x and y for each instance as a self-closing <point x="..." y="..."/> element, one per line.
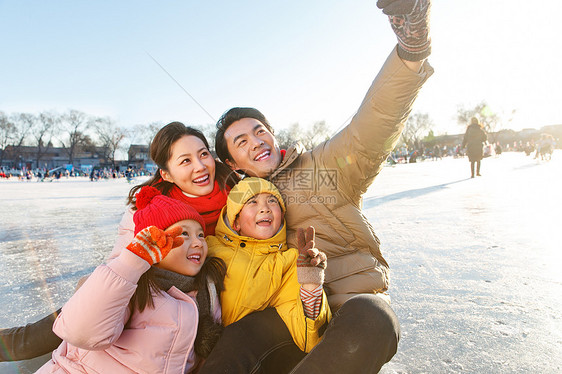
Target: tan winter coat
<point x="323" y="187"/>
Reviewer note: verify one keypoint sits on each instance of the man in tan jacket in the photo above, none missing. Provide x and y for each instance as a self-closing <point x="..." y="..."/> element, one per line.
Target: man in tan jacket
<point x="323" y="188"/>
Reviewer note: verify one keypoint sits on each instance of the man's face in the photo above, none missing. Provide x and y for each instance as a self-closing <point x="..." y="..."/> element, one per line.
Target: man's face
<point x="253" y="148"/>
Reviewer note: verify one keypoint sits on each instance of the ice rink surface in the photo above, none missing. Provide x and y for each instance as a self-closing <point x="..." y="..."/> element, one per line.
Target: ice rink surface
<point x="475" y="263"/>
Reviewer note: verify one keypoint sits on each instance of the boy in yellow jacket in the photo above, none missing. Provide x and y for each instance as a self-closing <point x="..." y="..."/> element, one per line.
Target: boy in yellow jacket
<point x="262" y="271"/>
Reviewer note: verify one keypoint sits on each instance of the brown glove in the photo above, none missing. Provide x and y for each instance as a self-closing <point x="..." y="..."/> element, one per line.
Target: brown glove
<point x="410" y="22"/>
<point x="311" y="262"/>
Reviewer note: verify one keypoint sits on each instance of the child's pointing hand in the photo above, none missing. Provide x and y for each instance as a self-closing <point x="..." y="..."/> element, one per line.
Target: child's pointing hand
<point x="311" y="262"/>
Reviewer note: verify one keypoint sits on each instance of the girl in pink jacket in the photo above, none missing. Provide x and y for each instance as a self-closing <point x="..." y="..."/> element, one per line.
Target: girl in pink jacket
<point x="127" y="318"/>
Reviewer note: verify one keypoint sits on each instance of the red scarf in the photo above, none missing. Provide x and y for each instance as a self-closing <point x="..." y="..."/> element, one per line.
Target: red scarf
<point x="209" y="206"/>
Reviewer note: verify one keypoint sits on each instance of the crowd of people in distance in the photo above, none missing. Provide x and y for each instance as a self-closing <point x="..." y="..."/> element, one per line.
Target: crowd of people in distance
<point x="541" y="149"/>
<point x="44" y="175"/>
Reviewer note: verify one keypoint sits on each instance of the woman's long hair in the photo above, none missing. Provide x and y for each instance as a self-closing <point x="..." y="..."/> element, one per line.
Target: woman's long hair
<point x="161" y="151"/>
<point x="214" y="270"/>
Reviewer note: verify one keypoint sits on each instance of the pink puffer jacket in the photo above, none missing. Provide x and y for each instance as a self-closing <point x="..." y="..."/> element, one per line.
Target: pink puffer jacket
<point x="99" y="337"/>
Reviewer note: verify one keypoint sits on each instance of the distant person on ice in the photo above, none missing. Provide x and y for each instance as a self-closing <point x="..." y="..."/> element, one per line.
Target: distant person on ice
<point x="474" y="139"/>
<point x="545" y="146"/>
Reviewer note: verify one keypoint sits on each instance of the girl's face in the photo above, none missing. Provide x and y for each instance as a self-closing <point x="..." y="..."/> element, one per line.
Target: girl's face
<point x="191" y="166"/>
<point x="188" y="258"/>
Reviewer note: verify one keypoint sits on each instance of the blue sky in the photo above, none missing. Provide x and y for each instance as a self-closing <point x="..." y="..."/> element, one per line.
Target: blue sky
<point x="297" y="61"/>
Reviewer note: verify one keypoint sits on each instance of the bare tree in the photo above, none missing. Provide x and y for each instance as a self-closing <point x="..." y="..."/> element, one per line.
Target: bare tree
<point x="7" y="134"/>
<point x="42" y="133"/>
<point x="505" y="119"/>
<point x="143" y="133"/>
<point x="73" y="126"/>
<point x="287" y="137"/>
<point x="23" y="122"/>
<point x="489" y="119"/>
<point x="110" y="137"/>
<point x="316" y="135"/>
<point x="209" y="130"/>
<point x="416" y="126"/>
<point x="310" y="138"/>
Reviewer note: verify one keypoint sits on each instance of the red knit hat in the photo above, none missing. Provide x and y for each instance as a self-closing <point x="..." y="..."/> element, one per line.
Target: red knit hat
<point x="155" y="209"/>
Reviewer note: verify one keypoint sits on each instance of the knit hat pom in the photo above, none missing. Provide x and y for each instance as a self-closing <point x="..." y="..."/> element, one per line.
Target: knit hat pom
<point x="145" y="196"/>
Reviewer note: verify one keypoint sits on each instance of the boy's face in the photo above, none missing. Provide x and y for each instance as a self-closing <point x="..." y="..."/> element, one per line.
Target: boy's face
<point x="260" y="218"/>
<point x="252" y="147"/>
<point x="188" y="258"/>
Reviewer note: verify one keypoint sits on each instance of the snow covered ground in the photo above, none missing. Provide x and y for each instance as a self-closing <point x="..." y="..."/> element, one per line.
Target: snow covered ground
<point x="475" y="263"/>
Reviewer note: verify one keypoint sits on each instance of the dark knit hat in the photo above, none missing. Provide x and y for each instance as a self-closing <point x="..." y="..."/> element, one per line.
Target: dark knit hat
<point x="155" y="209"/>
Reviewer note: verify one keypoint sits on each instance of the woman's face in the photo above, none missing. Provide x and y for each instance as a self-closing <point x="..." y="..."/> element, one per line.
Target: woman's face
<point x="191" y="166"/>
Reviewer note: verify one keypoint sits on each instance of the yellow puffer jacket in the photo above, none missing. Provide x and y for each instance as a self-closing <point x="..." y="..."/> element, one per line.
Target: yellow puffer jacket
<point x="261" y="274"/>
<point x="324" y="187"/>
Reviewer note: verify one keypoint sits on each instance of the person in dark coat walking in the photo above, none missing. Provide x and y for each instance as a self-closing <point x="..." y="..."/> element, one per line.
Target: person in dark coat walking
<point x="474" y="140"/>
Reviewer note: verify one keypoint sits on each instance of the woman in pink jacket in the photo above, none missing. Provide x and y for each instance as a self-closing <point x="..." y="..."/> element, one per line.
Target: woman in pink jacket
<point x="124" y="319"/>
<point x="188" y="173"/>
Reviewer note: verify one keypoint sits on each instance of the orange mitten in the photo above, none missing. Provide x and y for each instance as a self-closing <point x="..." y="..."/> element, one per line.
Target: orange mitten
<point x="152" y="244"/>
